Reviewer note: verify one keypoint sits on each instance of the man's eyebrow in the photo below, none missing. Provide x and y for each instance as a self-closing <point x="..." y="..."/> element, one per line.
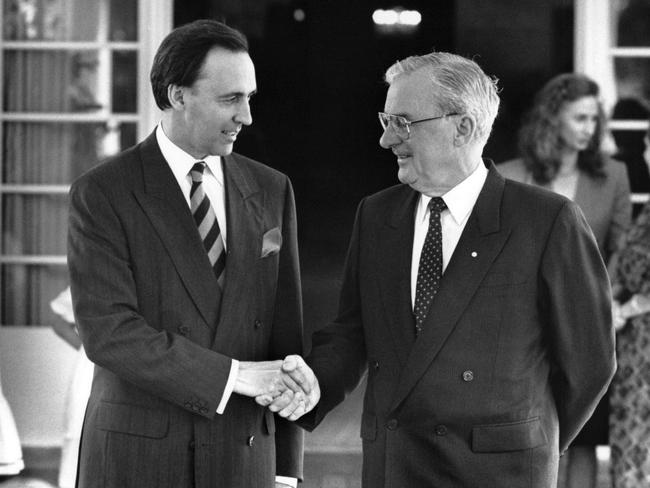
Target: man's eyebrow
<point x="399" y="114"/>
<point x="238" y="94"/>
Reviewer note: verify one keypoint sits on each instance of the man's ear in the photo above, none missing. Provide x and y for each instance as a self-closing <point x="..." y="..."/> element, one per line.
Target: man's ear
<point x="175" y="95"/>
<point x="465" y="129"/>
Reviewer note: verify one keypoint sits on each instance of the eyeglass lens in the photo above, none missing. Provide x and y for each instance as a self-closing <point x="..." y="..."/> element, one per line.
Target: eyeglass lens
<point x="396" y="122"/>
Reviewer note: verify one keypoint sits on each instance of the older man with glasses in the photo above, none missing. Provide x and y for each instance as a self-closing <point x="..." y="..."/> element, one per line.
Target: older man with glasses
<point x="479" y="307"/>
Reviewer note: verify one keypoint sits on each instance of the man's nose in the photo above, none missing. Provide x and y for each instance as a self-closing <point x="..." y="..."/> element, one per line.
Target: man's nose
<point x="388" y="138"/>
<point x="243" y="115"/>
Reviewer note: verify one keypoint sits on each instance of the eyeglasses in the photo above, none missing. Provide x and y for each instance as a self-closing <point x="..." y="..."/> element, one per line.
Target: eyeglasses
<point x="401" y="125"/>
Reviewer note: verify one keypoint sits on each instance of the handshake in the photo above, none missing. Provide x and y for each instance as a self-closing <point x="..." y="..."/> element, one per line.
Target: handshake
<point x="287" y="387"/>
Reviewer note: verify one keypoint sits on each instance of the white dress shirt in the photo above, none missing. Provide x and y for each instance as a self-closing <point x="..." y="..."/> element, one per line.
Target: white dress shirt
<point x="181" y="163"/>
<point x="460" y="201"/>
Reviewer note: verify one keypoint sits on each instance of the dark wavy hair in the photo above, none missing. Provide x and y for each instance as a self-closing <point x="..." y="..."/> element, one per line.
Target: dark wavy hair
<point x="539" y="136"/>
<point x="180" y="57"/>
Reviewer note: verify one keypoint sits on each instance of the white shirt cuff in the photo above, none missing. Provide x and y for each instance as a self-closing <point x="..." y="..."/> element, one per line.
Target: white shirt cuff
<point x="230" y="386"/>
<point x="287" y="481"/>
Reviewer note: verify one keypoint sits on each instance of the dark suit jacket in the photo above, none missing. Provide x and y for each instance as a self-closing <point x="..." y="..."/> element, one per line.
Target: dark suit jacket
<point x="515" y="353"/>
<point x="161" y="333"/>
<point x="605" y="202"/>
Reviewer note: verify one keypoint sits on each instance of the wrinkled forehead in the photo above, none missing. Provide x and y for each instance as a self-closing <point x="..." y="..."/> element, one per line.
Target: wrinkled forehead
<point x="411" y="94"/>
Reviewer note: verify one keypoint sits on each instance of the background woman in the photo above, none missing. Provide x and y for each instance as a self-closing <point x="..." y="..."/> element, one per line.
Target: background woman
<point x="630" y="390"/>
<point x="560" y="144"/>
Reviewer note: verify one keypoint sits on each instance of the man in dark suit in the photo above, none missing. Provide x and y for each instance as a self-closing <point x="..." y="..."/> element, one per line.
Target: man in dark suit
<point x="482" y="318"/>
<point x="184" y="270"/>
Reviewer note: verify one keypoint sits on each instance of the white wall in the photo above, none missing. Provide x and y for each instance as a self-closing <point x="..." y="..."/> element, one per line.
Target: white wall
<point x="36" y="368"/>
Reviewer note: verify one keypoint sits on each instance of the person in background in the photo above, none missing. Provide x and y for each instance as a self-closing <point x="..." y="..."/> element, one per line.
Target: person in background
<point x="629" y="419"/>
<point x="78" y="389"/>
<point x="11" y="454"/>
<point x="629" y="143"/>
<point x="560" y="144"/>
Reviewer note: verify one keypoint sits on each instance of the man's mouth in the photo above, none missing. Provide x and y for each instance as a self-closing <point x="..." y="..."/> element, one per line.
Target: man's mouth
<point x="230" y="134"/>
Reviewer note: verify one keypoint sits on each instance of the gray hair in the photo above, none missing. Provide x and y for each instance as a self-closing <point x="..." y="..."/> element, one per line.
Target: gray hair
<point x="459" y="84"/>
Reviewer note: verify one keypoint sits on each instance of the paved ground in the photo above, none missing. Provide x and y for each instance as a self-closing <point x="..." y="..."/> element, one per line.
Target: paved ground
<point x="333" y="470"/>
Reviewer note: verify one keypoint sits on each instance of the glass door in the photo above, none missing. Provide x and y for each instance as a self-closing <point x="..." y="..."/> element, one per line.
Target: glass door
<point x="75" y="90"/>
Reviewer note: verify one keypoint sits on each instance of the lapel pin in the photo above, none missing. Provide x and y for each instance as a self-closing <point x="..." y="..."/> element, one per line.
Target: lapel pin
<point x="474" y="254"/>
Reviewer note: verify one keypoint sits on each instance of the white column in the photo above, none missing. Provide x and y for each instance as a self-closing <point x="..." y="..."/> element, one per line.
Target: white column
<point x="155" y="22"/>
<point x="593" y="41"/>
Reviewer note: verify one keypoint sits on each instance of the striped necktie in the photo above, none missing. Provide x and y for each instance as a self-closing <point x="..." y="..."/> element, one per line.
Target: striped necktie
<point x="206" y="221"/>
<point x="430" y="268"/>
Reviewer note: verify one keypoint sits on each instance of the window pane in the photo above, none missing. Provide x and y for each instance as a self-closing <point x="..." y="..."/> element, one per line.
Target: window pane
<point x="57" y="153"/>
<point x="128" y="135"/>
<point x="124" y="20"/>
<point x="633" y="80"/>
<point x="125" y="71"/>
<point x="51" y="81"/>
<point x="27" y="292"/>
<point x="34" y="224"/>
<point x="630" y="149"/>
<point x="51" y="20"/>
<point x="630" y="23"/>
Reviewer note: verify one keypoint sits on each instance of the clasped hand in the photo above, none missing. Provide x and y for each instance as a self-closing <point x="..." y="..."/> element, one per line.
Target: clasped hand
<point x="287" y="387"/>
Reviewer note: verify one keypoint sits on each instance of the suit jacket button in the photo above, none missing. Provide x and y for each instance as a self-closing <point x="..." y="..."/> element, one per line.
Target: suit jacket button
<point x="257" y="323"/>
<point x="440" y="430"/>
<point x="392" y="424"/>
<point x="468" y="375"/>
<point x="183" y="330"/>
<point x="250" y="441"/>
<point x="375" y="365"/>
<point x="190" y="446"/>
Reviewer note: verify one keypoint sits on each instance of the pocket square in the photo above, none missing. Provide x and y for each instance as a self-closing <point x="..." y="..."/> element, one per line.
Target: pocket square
<point x="271" y="242"/>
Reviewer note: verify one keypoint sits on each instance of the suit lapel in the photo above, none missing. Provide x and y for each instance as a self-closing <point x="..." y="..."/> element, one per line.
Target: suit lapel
<point x="245" y="216"/>
<point x="395" y="277"/>
<point x="163" y="202"/>
<point x="480" y="243"/>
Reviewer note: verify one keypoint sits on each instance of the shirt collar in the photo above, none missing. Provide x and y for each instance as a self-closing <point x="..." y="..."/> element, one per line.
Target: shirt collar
<point x="181" y="162"/>
<point x="460" y="199"/>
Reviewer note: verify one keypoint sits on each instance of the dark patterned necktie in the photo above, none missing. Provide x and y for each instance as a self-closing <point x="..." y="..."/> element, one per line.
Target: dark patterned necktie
<point x="206" y="221"/>
<point x="430" y="269"/>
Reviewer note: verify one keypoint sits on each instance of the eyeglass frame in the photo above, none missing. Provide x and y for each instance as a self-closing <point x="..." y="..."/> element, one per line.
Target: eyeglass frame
<point x="407" y="122"/>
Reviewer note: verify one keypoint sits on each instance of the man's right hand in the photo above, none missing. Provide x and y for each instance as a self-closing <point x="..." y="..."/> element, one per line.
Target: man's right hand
<point x="256" y="378"/>
<point x="302" y="393"/>
<point x="287" y="387"/>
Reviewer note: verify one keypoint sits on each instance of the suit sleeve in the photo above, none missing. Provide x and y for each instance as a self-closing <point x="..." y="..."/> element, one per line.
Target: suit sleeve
<point x="116" y="336"/>
<point x="338" y="355"/>
<point x="288" y="335"/>
<point x="575" y="295"/>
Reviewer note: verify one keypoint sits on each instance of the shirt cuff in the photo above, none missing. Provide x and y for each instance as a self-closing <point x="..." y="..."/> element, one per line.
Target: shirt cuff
<point x="293" y="482"/>
<point x="230" y="386"/>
